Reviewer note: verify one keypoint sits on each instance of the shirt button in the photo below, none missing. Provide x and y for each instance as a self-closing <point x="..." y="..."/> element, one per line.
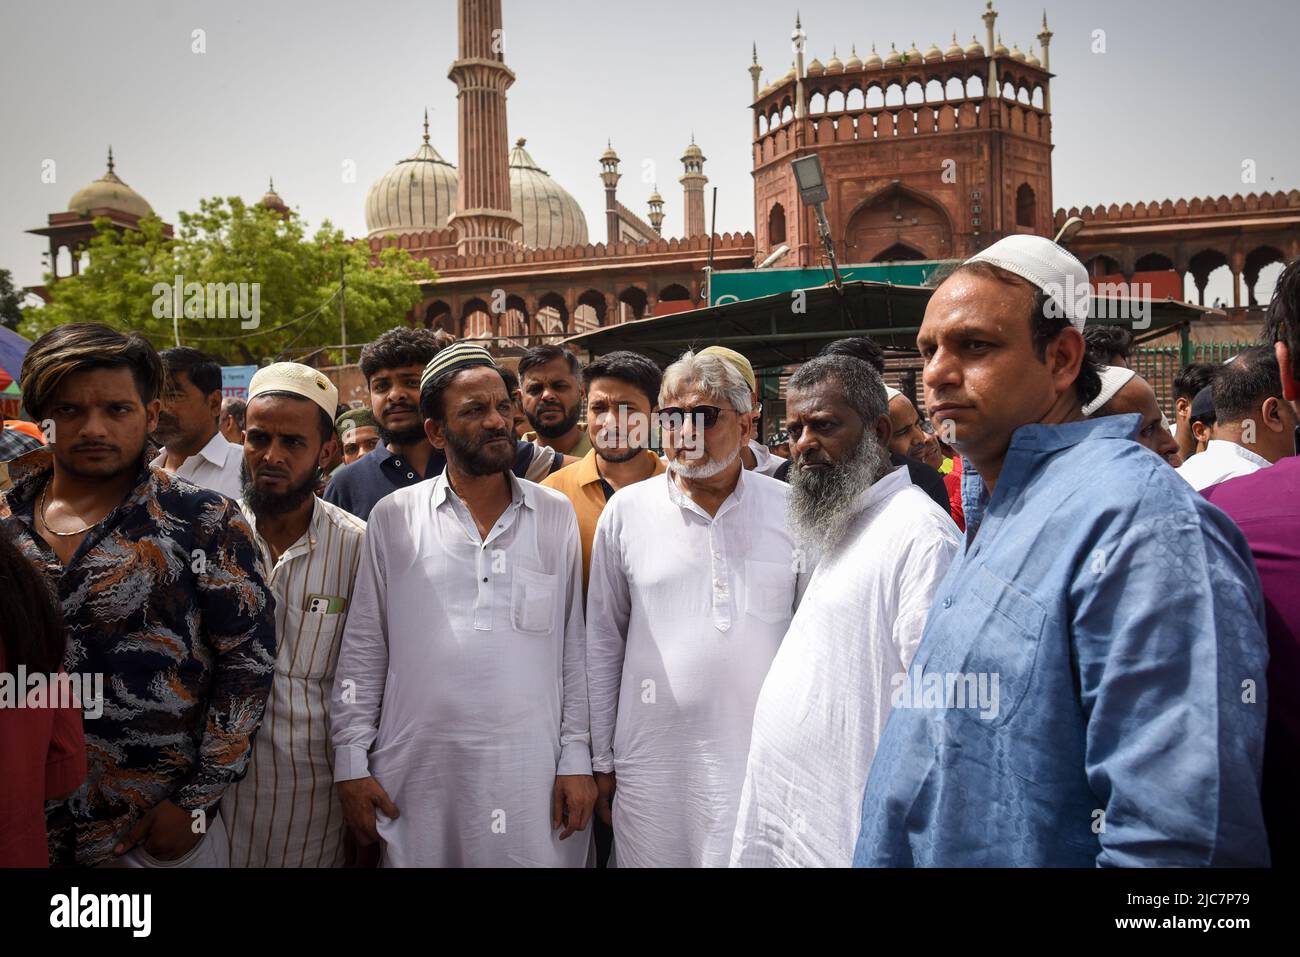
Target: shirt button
<point x="485" y="580"/>
<point x="410" y="475"/>
<point x="397" y="462"/>
<point x="947" y="603"/>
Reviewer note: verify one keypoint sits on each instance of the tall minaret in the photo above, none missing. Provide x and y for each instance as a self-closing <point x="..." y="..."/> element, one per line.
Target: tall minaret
<point x="609" y="175"/>
<point x="483" y="220"/>
<point x="693" y="186"/>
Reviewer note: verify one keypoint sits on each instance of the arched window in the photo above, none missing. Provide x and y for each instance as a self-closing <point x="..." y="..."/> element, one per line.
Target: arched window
<point x="776" y="226"/>
<point x="1025" y="203"/>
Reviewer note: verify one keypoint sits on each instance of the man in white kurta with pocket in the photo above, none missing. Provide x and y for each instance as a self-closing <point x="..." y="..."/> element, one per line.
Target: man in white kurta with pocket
<point x="692" y="588"/>
<point x="878" y="546"/>
<point x="460" y="719"/>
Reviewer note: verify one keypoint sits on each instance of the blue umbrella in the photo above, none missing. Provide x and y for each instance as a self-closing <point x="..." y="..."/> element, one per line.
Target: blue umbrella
<point x="12" y="349"/>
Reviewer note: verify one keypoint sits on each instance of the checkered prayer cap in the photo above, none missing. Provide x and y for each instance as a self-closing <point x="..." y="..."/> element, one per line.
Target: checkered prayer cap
<point x="462" y="355"/>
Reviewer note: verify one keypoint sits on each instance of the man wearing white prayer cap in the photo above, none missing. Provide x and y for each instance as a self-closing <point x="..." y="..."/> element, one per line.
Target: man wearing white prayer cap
<point x="284" y="812"/>
<point x="1124" y="391"/>
<point x="460" y="717"/>
<point x="1061" y="641"/>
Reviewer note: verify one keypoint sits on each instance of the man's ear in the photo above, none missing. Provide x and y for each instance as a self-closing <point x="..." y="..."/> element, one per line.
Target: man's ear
<point x="433" y="431"/>
<point x="884" y="429"/>
<point x="214" y="404"/>
<point x="1066" y="357"/>
<point x="151" y="410"/>
<point x="327" y="451"/>
<point x="1290" y="388"/>
<point x="1271" y="413"/>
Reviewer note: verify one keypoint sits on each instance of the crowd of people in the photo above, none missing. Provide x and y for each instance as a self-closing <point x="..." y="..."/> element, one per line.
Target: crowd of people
<point x="568" y="615"/>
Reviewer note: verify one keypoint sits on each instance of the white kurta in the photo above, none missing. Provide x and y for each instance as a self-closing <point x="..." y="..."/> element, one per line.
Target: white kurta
<point x="1221" y="460"/>
<point x="685" y="613"/>
<point x="461" y="683"/>
<point x="827" y="696"/>
<point x="216" y="466"/>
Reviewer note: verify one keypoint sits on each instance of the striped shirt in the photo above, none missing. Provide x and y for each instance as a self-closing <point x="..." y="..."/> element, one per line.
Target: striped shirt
<point x="284" y="813"/>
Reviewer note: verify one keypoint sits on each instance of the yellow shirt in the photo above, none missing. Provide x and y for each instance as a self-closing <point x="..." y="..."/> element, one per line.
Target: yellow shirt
<point x="580" y="483"/>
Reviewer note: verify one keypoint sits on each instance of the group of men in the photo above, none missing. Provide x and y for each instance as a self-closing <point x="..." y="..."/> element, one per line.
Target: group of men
<point x="1018" y="636"/>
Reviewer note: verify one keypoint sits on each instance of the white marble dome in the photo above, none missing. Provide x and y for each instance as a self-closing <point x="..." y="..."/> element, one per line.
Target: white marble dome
<point x="551" y="216"/>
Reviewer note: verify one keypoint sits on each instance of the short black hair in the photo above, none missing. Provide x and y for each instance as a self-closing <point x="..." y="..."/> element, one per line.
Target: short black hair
<point x="857" y="347"/>
<point x="1045" y="324"/>
<point x="540" y="355"/>
<point x="1193" y="379"/>
<point x="199" y="367"/>
<point x="1241" y="386"/>
<point x="397" y="349"/>
<point x="1107" y="341"/>
<point x="512" y="380"/>
<point x="1282" y="323"/>
<point x="630" y="367"/>
<point x="431" y="393"/>
<point x="326" y="423"/>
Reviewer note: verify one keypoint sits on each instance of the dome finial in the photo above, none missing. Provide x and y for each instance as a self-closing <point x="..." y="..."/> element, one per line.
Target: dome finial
<point x="797" y="24"/>
<point x="519" y="143"/>
<point x="270" y="184"/>
<point x="110" y="157"/>
<point x="426" y="124"/>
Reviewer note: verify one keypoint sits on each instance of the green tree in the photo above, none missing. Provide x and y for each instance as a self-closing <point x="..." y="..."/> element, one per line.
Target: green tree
<point x="252" y="286"/>
<point x="11" y="300"/>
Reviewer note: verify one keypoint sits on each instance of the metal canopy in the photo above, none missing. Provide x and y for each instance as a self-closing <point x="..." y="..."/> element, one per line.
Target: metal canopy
<point x="770" y="333"/>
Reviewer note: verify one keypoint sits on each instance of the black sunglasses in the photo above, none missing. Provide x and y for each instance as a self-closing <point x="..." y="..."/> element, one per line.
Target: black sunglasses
<point x="671" y="419"/>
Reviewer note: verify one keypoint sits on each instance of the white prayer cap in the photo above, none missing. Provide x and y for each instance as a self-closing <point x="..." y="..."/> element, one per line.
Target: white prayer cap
<point x="1113" y="378"/>
<point x="297" y="379"/>
<point x="1049" y="267"/>
<point x="891" y="393"/>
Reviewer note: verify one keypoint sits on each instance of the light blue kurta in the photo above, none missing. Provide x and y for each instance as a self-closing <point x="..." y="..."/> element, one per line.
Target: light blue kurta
<point x="1122" y="617"/>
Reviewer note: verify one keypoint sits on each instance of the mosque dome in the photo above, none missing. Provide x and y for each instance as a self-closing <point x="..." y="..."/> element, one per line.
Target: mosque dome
<point x="835" y="64"/>
<point x="551" y="216"/>
<point x="1033" y="60"/>
<point x="893" y="57"/>
<point x="815" y="68"/>
<point x="1017" y="53"/>
<point x="873" y="59"/>
<point x="954" y="52"/>
<point x="854" y="62"/>
<point x="932" y="52"/>
<point x="416" y="195"/>
<point x="109" y="192"/>
<point x="272" y="200"/>
<point x="975" y="48"/>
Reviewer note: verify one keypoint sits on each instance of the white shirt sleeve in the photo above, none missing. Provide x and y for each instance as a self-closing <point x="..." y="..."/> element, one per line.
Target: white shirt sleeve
<point x="923" y="568"/>
<point x="362" y="670"/>
<point x="609" y="607"/>
<point x="575" y="724"/>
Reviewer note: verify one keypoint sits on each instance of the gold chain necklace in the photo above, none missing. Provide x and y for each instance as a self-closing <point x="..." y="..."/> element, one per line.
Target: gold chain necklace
<point x="46" y="522"/>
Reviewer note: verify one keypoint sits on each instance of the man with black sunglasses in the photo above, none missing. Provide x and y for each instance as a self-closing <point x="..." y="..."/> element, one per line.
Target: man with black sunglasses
<point x="692" y="587"/>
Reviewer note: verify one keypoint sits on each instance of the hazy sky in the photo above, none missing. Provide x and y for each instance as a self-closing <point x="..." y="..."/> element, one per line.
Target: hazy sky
<point x="1183" y="94"/>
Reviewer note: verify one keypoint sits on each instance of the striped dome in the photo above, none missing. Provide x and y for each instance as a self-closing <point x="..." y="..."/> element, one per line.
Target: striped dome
<point x="416" y="195"/>
<point x="551" y="216"/>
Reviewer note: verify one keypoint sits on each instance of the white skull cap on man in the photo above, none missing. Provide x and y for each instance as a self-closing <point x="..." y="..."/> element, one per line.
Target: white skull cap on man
<point x="1048" y="266"/>
<point x="296" y="379"/>
<point x="891" y="393"/>
<point x="1113" y="378"/>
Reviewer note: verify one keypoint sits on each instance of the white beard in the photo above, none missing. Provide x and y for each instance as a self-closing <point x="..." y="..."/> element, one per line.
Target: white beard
<point x="819" y="507"/>
<point x="703" y="470"/>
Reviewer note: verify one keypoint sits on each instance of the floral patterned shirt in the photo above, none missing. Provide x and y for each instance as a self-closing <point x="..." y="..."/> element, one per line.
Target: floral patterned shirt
<point x="166" y="600"/>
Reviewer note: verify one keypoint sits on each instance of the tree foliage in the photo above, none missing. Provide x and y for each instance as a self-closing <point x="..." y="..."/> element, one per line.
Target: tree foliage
<point x="251" y="287"/>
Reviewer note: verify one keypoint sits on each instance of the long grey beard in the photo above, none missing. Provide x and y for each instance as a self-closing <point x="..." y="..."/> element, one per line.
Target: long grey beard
<point x="820" y="505"/>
